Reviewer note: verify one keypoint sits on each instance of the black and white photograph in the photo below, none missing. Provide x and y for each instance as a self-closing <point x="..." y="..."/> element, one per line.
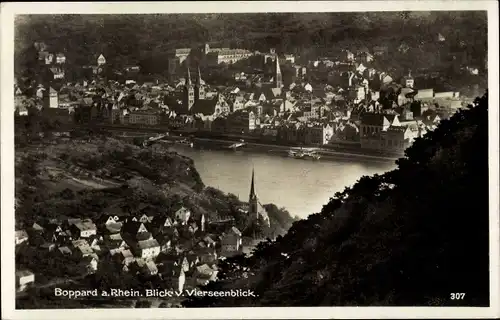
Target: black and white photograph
<point x="229" y="155"/>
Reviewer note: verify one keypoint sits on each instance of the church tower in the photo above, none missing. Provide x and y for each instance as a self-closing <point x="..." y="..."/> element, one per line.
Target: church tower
<point x="278" y="78"/>
<point x="199" y="88"/>
<point x="188" y="92"/>
<point x="252" y="199"/>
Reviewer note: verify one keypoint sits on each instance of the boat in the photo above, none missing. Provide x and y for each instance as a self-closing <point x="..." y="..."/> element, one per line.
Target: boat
<point x="313" y="155"/>
<point x="296" y="154"/>
<point x="304" y="154"/>
<point x="184" y="141"/>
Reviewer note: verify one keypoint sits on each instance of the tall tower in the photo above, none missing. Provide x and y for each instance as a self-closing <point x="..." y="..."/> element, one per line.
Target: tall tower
<point x="278" y="81"/>
<point x="199" y="88"/>
<point x="252" y="199"/>
<point x="188" y="91"/>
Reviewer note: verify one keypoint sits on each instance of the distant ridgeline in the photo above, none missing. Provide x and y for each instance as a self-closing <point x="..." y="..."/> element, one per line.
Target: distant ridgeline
<point x="403" y="238"/>
<point x="147" y="38"/>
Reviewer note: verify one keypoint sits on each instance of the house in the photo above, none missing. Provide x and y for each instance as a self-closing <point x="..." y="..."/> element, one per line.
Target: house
<point x="183" y="215"/>
<point x="318" y="134"/>
<point x="160" y="223"/>
<point x="365" y="57"/>
<point x="65" y="251"/>
<point x="208" y="255"/>
<point x="173" y="275"/>
<point x="147" y="249"/>
<point x="405" y="95"/>
<point x="149" y="268"/>
<point x="135" y="230"/>
<point x="408" y="81"/>
<point x="60" y="58"/>
<point x="145" y="218"/>
<point x="205" y="274"/>
<point x="57" y="73"/>
<point x="385" y="78"/>
<point x="47" y="57"/>
<point x="48" y="246"/>
<point x="192" y="258"/>
<point x="165" y="242"/>
<point x="424" y="94"/>
<point x="184" y="264"/>
<point x="210" y="108"/>
<point x="397" y="138"/>
<point x="21" y="236"/>
<point x="210" y="243"/>
<point x="101" y="60"/>
<point x="24" y="278"/>
<point x="144" y="117"/>
<point x="193" y="227"/>
<point x="371" y="128"/>
<point x="113" y="227"/>
<point x="231" y="241"/>
<point x="238" y="103"/>
<point x="84" y="229"/>
<point x="51" y="98"/>
<point x="55" y="233"/>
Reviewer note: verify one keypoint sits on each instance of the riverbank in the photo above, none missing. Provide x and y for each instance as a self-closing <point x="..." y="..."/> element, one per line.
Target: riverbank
<point x="279" y="150"/>
<point x="212" y="141"/>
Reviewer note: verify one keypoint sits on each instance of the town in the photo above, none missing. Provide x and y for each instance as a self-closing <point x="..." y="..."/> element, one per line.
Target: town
<point x="343" y="101"/>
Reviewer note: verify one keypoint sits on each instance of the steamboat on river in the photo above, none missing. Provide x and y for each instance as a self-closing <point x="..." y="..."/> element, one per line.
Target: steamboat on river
<point x="304" y="153"/>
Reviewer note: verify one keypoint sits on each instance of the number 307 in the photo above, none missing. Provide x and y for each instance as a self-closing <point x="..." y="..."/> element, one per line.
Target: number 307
<point x="457" y="296"/>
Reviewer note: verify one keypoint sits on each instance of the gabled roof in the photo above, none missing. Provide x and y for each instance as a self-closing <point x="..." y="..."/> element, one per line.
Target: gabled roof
<point x="145" y="244"/>
<point x="134" y="227"/>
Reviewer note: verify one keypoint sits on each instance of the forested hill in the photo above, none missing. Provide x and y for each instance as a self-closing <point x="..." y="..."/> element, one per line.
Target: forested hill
<point x="132" y="39"/>
<point x="412" y="236"/>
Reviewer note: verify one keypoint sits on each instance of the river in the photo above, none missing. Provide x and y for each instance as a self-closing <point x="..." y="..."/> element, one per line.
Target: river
<point x="301" y="186"/>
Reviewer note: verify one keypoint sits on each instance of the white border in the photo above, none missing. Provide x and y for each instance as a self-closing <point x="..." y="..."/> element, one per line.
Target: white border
<point x="8" y="10"/>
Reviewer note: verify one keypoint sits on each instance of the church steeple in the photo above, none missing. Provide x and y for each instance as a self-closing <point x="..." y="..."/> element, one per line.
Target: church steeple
<point x="188" y="91"/>
<point x="252" y="199"/>
<point x="252" y="185"/>
<point x="199" y="88"/>
<point x="278" y="81"/>
<point x="198" y="80"/>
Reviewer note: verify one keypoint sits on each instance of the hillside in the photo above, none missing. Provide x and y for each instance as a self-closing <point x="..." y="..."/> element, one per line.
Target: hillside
<point x="146" y="39"/>
<point x="409" y="237"/>
<point x="102" y="175"/>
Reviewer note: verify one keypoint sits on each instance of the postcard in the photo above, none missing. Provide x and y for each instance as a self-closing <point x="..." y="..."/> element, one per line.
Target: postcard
<point x="250" y="160"/>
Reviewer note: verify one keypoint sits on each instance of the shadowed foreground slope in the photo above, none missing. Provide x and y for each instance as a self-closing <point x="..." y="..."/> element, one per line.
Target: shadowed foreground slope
<point x="408" y="237"/>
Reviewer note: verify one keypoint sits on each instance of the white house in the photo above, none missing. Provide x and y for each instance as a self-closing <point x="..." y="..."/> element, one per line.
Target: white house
<point x="21" y="236"/>
<point x="24" y="278"/>
<point x="148" y="249"/>
<point x="101" y="60"/>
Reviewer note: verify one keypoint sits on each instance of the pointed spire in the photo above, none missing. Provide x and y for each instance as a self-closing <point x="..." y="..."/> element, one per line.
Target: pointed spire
<point x="252" y="185"/>
<point x="277" y="77"/>
<point x="198" y="80"/>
